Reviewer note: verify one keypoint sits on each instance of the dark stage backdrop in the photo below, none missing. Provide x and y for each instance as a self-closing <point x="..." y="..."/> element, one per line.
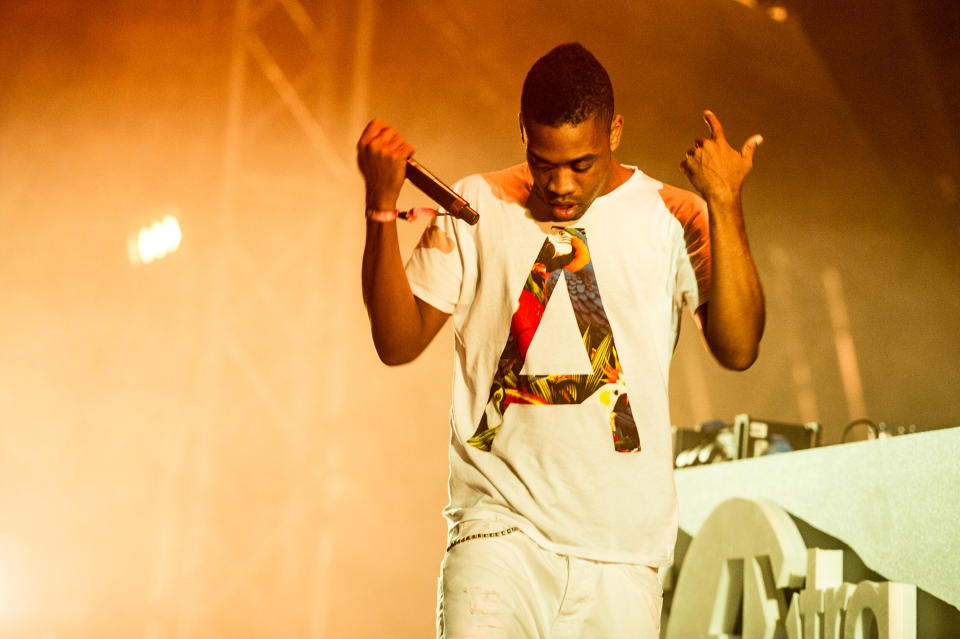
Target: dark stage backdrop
<point x="207" y="446"/>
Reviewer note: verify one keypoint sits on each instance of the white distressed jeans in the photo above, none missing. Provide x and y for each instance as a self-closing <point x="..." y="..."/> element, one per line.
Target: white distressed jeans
<point x="498" y="583"/>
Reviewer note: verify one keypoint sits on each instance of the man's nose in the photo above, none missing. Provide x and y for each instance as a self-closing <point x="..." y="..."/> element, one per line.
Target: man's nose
<point x="561" y="182"/>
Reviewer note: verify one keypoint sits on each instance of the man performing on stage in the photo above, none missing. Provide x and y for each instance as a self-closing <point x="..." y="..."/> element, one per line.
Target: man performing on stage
<point x="566" y="301"/>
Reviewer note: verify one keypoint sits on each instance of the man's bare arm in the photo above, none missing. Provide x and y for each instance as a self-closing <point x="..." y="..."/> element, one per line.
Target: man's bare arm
<point x="402" y="324"/>
<point x="732" y="321"/>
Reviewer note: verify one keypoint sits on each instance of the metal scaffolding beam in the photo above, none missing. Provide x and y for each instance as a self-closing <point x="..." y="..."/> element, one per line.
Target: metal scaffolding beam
<point x="244" y="282"/>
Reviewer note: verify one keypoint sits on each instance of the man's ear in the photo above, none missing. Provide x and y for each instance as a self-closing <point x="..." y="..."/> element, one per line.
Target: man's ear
<point x="523" y="132"/>
<point x="616" y="130"/>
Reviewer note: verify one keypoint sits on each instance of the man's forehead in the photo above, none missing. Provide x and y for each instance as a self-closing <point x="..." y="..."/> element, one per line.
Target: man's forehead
<point x="586" y="157"/>
<point x="567" y="142"/>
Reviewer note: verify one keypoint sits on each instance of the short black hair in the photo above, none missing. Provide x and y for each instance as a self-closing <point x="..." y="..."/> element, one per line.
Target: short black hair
<point x="566" y="86"/>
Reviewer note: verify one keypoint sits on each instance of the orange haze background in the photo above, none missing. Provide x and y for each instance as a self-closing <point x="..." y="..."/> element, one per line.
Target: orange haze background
<point x="207" y="446"/>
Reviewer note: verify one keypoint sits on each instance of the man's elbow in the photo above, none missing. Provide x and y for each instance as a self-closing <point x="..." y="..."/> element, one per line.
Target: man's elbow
<point x="739" y="361"/>
<point x="400" y="342"/>
<point x="391" y="360"/>
<point x="394" y="350"/>
<point x="736" y="356"/>
<point x="392" y="356"/>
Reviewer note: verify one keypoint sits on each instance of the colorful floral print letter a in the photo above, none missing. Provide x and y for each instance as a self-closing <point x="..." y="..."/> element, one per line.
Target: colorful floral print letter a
<point x="564" y="252"/>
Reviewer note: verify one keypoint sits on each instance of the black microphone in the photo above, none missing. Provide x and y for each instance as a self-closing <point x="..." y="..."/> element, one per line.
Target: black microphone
<point x="440" y="192"/>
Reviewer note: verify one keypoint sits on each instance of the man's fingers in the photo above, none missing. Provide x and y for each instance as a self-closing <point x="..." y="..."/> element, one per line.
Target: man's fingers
<point x="405" y="151"/>
<point x="381" y="136"/>
<point x="372" y="130"/>
<point x="395" y="146"/>
<point x="382" y="139"/>
<point x="386" y="137"/>
<point x="716" y="129"/>
<point x="750" y="146"/>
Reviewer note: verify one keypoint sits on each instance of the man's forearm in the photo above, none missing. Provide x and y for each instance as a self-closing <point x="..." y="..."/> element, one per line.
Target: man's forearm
<point x="735" y="314"/>
<point x="395" y="318"/>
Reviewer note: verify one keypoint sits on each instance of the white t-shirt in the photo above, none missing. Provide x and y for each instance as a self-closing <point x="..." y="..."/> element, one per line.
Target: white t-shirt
<point x="563" y="340"/>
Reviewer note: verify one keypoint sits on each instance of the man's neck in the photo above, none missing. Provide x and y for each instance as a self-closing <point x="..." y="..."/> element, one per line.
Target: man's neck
<point x="619" y="174"/>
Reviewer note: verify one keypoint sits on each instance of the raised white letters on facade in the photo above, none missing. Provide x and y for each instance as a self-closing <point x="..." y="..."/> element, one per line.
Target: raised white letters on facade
<point x="748" y="557"/>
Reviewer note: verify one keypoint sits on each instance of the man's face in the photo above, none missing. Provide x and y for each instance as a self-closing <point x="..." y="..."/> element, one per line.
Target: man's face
<point x="571" y="164"/>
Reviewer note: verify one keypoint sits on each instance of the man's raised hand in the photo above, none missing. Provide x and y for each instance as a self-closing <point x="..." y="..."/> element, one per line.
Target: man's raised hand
<point x="382" y="155"/>
<point x="716" y="169"/>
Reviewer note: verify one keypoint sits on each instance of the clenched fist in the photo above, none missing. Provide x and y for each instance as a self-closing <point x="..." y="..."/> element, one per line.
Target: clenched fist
<point x="382" y="155"/>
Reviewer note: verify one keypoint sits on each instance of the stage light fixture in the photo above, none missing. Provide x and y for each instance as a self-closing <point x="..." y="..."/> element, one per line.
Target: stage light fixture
<point x="778" y="12"/>
<point x="155" y="241"/>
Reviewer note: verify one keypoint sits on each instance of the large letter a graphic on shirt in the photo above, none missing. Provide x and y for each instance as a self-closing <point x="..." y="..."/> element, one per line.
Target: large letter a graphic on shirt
<point x="566" y="253"/>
